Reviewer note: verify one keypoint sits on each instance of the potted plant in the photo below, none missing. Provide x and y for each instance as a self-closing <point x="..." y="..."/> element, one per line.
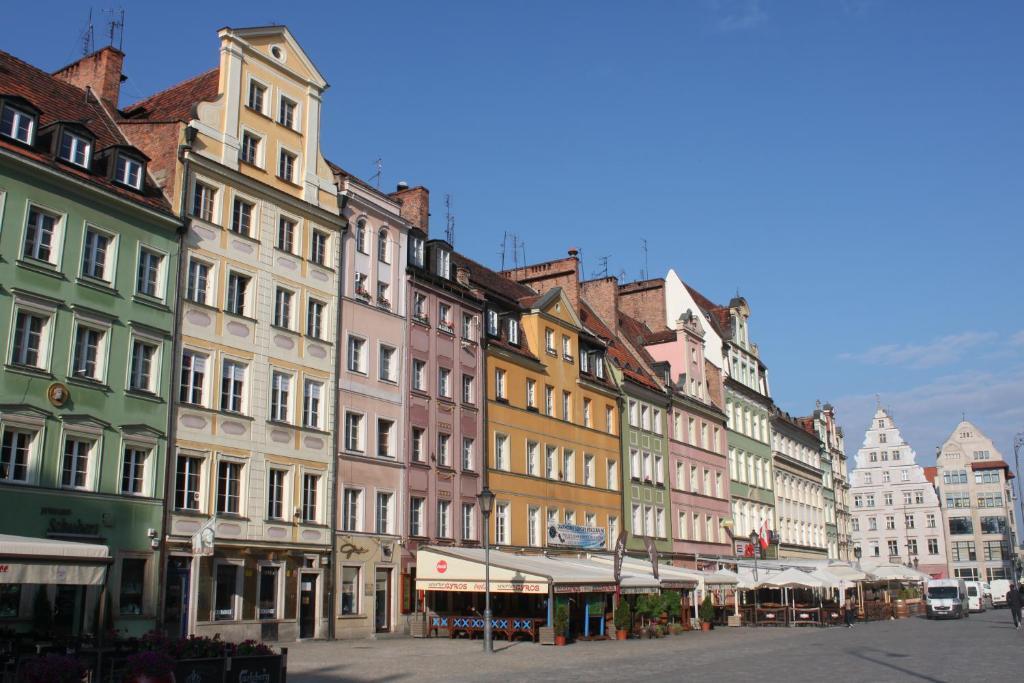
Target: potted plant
<point x="623" y="620"/>
<point x="707" y="613"/>
<point x="149" y="666"/>
<point x="670" y="604"/>
<point x="561" y="624"/>
<point x="53" y="669"/>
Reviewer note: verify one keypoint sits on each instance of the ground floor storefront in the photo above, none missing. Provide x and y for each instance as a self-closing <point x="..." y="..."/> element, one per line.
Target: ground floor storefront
<point x="125" y="528"/>
<point x="369" y="586"/>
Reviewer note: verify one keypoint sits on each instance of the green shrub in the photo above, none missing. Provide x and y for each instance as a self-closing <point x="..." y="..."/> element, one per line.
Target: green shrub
<point x="707" y="610"/>
<point x="623" y="616"/>
<point x="561" y="620"/>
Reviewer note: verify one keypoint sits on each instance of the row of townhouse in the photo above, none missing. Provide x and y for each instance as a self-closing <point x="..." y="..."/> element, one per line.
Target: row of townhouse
<point x="262" y="386"/>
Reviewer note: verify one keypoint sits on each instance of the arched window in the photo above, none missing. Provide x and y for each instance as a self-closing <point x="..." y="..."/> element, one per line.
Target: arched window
<point x="361" y="237"/>
<point x="382" y="246"/>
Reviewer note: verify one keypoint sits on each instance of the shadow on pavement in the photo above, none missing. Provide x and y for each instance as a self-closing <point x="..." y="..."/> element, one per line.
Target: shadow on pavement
<point x="902" y="670"/>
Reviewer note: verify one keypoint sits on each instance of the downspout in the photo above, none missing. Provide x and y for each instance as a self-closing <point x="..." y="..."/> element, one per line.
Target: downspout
<point x="172" y="401"/>
<point x="331" y="624"/>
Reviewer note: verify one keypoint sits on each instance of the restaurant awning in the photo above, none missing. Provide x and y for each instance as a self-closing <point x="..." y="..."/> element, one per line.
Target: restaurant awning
<point x="791" y="578"/>
<point x="636" y="572"/>
<point x="47" y="561"/>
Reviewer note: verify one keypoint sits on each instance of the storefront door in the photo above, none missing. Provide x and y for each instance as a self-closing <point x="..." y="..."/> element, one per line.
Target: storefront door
<point x="382" y="604"/>
<point x="176" y="598"/>
<point x="67" y="610"/>
<point x="307" y="606"/>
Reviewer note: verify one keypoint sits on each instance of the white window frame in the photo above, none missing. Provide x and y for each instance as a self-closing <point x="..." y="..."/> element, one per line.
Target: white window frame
<point x="56" y="242"/>
<point x="109" y="255"/>
<point x="160" y="286"/>
<point x="155" y="365"/>
<point x="275" y="406"/>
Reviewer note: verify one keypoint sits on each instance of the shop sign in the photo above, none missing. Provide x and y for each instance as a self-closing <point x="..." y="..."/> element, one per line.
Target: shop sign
<point x="576" y="536"/>
<point x="265" y="669"/>
<point x="586" y="588"/>
<point x="442" y="566"/>
<point x="639" y="590"/>
<point x="527" y="587"/>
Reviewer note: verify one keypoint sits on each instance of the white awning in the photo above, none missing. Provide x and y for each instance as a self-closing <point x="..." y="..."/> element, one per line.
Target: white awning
<point x="791" y="578"/>
<point x="462" y="570"/>
<point x="47" y="561"/>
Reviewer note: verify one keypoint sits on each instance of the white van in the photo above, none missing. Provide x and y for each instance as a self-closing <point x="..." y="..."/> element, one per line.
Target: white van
<point x="1000" y="587"/>
<point x="946" y="599"/>
<point x="975" y="596"/>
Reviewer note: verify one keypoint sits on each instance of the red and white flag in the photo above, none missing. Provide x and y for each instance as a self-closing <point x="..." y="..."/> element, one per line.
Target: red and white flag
<point x="763" y="535"/>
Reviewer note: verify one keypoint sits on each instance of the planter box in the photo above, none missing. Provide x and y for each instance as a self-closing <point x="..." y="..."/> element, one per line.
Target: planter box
<point x="418" y="627"/>
<point x="546" y="635"/>
<point x="243" y="669"/>
<point x="735" y="620"/>
<point x="201" y="670"/>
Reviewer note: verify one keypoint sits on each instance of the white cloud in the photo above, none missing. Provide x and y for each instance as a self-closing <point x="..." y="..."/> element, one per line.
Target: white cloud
<point x="941" y="351"/>
<point x="738" y="15"/>
<point x="928" y="413"/>
<point x="1017" y="339"/>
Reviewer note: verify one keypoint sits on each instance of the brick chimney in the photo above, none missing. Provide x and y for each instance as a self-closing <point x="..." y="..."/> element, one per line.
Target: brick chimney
<point x="564" y="273"/>
<point x="603" y="297"/>
<point x="100" y="72"/>
<point x="645" y="301"/>
<point x="415" y="203"/>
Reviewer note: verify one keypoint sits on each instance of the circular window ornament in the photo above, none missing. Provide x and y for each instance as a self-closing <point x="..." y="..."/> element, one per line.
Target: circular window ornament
<point x="58" y="394"/>
<point x="277" y="52"/>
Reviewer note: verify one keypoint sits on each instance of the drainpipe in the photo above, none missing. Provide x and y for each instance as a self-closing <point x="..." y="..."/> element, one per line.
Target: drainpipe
<point x="331" y="625"/>
<point x="172" y="401"/>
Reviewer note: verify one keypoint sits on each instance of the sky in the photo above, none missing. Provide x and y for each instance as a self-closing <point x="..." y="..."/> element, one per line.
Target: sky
<point x="852" y="167"/>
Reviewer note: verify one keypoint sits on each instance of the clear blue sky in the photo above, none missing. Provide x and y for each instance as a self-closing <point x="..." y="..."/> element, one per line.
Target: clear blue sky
<point x="855" y="168"/>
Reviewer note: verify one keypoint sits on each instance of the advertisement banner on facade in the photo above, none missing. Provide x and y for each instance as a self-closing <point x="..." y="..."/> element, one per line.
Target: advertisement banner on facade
<point x="575" y="536"/>
<point x="478" y="586"/>
<point x="203" y="539"/>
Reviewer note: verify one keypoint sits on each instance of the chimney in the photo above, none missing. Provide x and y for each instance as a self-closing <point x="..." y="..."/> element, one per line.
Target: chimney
<point x="100" y="72"/>
<point x="415" y="203"/>
<point x="546" y="276"/>
<point x="603" y="297"/>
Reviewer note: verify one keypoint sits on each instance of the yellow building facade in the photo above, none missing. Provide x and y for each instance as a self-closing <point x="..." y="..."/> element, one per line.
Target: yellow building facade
<point x="552" y="424"/>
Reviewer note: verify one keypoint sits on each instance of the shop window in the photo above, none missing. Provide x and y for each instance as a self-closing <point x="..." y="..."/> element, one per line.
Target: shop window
<point x="225" y="592"/>
<point x="349" y="591"/>
<point x="268" y="592"/>
<point x="133" y="580"/>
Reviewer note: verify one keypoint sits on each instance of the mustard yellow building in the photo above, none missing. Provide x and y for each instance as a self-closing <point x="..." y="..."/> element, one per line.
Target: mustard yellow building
<point x="552" y="422"/>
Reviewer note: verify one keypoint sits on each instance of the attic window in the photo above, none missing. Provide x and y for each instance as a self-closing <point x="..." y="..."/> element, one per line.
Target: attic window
<point x="17" y="123"/>
<point x="416" y="252"/>
<point x="513" y="331"/>
<point x="74" y="148"/>
<point x="277" y="52"/>
<point x="443" y="264"/>
<point x="492" y="323"/>
<point x="128" y="171"/>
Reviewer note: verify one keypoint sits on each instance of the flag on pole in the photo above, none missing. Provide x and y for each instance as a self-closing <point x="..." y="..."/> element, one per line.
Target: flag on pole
<point x="763" y="535"/>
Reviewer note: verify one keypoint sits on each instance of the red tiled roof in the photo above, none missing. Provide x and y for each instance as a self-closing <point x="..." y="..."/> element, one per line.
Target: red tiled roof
<point x="930" y="473"/>
<point x="617" y="352"/>
<point x="720" y="318"/>
<point x="993" y="465"/>
<point x="494" y="283"/>
<point x="178" y="102"/>
<point x="59" y="101"/>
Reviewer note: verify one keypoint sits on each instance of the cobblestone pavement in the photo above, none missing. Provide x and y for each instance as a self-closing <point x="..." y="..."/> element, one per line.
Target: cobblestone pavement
<point x="984" y="647"/>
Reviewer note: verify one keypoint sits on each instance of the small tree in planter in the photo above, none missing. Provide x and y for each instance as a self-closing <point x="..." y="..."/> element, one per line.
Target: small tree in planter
<point x="707" y="613"/>
<point x="623" y="620"/>
<point x="670" y="604"/>
<point x="561" y="624"/>
<point x="648" y="607"/>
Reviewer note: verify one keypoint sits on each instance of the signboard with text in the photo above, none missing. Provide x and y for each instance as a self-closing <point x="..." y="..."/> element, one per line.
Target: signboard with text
<point x="575" y="536"/>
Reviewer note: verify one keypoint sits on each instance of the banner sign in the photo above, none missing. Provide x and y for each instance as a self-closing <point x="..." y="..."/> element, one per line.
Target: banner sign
<point x="585" y="588"/>
<point x="533" y="588"/>
<point x="575" y="536"/>
<point x="203" y="538"/>
<point x="620" y="552"/>
<point x="652" y="553"/>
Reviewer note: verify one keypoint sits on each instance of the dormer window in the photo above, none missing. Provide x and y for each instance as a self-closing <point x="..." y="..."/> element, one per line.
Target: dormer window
<point x="599" y="366"/>
<point x="416" y="251"/>
<point x="444" y="264"/>
<point x="492" y="323"/>
<point x="513" y="331"/>
<point x="17" y="123"/>
<point x="128" y="171"/>
<point x="74" y="148"/>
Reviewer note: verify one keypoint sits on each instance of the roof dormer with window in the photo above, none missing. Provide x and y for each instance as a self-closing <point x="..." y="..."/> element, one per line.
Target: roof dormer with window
<point x="18" y="119"/>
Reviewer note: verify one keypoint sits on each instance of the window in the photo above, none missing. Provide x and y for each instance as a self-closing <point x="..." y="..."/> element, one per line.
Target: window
<point x="75" y="471"/>
<point x="17" y="123"/>
<point x="961" y="526"/>
<point x="286" y="234"/>
<point x="187" y="478"/>
<point x="586" y="413"/>
<point x="232" y="386"/>
<point x="238" y="285"/>
<point x="964" y="551"/>
<point x="588" y="470"/>
<point x="443" y="264"/>
<point x="996" y="551"/>
<point x="383" y="246"/>
<point x="354" y="432"/>
<point x="566" y="347"/>
<point x="468" y="518"/>
<point x="128" y="171"/>
<point x="444" y="317"/>
<point x="352" y="510"/>
<point x="383" y="513"/>
<point x="532" y="458"/>
<point x="635" y="471"/>
<point x="256" y="96"/>
<point x="148" y="278"/>
<point x="419" y="375"/>
<point x="613" y="475"/>
<point x="197" y="286"/>
<point x="280" y="397"/>
<point x="350" y="588"/>
<point x="286" y="166"/>
<point x="15" y="450"/>
<point x="467" y="389"/>
<point x="419" y="307"/>
<point x="467" y="454"/>
<point x="609" y="419"/>
<point x="283" y="308"/>
<point x="250" y="152"/>
<point x="417" y="444"/>
<point x="87" y="360"/>
<point x="993" y="525"/>
<point x="225" y="592"/>
<point x="468" y="327"/>
<point x="416" y="250"/>
<point x="513" y="331"/>
<point x="315" y="318"/>
<point x="659" y="475"/>
<point x="566" y="406"/>
<point x="929" y="520"/>
<point x="416" y="506"/>
<point x="39" y="236"/>
<point x="203" y="199"/>
<point x="385" y="429"/>
<point x="550" y="462"/>
<point x="531" y="393"/>
<point x="444" y="382"/>
<point x="268" y="593"/>
<point x="502" y="524"/>
<point x="568" y="465"/>
<point x="634" y="414"/>
<point x="533" y="530"/>
<point x="132" y="470"/>
<point x="312" y="406"/>
<point x="275" y="494"/>
<point x="133" y="579"/>
<point x="549" y="400"/>
<point x="356" y="355"/>
<point x="286" y="112"/>
<point x="443" y="450"/>
<point x="318" y="248"/>
<point x="387" y="370"/>
<point x="362" y="241"/>
<point x="444" y="519"/>
<point x="500" y="390"/>
<point x="228" y="487"/>
<point x="94" y="254"/>
<point x="549" y="340"/>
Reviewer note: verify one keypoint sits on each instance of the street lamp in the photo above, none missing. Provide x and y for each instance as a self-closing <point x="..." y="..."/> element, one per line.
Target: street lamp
<point x="486" y="504"/>
<point x="754" y="539"/>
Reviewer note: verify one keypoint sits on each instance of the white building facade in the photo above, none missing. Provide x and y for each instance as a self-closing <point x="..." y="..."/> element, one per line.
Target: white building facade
<point x="977" y="506"/>
<point x="896" y="513"/>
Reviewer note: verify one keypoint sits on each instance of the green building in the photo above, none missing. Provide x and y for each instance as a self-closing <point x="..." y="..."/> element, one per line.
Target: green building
<point x="88" y="273"/>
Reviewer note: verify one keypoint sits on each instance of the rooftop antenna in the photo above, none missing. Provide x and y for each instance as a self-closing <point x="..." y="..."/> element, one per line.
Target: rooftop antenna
<point x="449" y="218"/>
<point x="878" y="402"/>
<point x="379" y="165"/>
<point x="643" y="252"/>
<point x="115" y="25"/>
<point x="504" y="239"/>
<point x="515" y="251"/>
<point x="602" y="271"/>
<point x="88" y="37"/>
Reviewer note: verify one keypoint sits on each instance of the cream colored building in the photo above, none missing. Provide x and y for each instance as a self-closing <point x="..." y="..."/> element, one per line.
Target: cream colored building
<point x="255" y="421"/>
<point x="977" y="505"/>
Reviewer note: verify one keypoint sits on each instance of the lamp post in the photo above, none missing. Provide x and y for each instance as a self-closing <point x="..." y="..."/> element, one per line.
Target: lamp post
<point x="754" y="543"/>
<point x="486" y="503"/>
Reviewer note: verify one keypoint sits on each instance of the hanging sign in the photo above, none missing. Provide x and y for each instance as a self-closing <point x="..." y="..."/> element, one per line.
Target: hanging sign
<point x="575" y="536"/>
